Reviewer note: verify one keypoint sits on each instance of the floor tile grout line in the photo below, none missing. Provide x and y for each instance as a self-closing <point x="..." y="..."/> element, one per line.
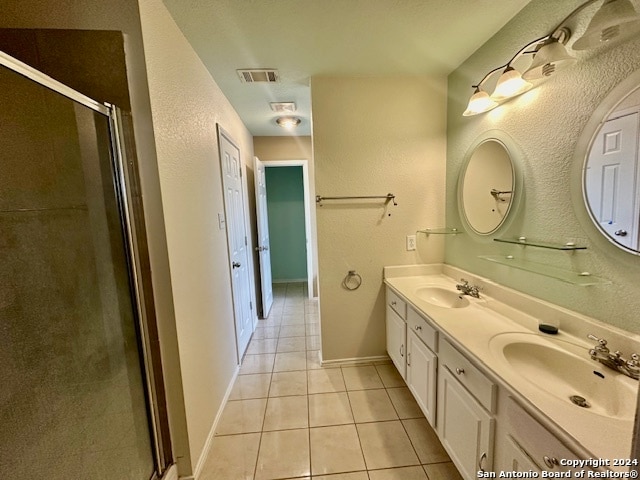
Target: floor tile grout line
<point x="346" y="391"/>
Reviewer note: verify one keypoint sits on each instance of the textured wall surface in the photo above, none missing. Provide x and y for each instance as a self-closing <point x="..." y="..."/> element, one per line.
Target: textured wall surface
<point x="186" y="105"/>
<point x="545" y="125"/>
<point x="373" y="136"/>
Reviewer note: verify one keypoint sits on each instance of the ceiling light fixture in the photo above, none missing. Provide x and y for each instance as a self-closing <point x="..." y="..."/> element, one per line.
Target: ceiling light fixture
<point x="615" y="19"/>
<point x="288" y="123"/>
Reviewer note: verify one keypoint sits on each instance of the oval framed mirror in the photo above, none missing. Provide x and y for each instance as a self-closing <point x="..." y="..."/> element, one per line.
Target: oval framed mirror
<point x="609" y="151"/>
<point x="487" y="187"/>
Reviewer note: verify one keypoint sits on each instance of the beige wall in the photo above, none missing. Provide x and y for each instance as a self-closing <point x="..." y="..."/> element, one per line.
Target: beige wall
<point x="545" y="125"/>
<point x="187" y="104"/>
<point x="283" y="148"/>
<point x="294" y="148"/>
<point x="373" y="136"/>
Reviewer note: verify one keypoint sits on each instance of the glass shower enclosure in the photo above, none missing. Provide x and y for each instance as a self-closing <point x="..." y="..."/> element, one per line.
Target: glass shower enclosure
<point x="80" y="394"/>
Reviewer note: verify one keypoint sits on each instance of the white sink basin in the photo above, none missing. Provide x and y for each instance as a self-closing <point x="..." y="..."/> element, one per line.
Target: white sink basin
<point x="441" y="297"/>
<point x="565" y="371"/>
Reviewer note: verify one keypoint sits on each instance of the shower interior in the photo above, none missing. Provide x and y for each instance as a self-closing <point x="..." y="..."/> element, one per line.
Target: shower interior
<point x="76" y="400"/>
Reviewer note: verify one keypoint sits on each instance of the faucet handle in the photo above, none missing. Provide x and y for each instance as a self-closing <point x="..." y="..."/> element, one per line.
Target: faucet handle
<point x="635" y="361"/>
<point x="602" y="343"/>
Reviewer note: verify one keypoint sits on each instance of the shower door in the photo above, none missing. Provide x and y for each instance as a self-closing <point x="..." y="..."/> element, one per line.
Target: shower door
<point x="77" y="393"/>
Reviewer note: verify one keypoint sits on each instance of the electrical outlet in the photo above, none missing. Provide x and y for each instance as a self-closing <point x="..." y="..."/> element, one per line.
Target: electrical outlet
<point x="411" y="242"/>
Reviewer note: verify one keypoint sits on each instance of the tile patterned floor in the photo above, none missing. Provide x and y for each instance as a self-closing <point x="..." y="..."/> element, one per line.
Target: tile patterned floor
<point x="288" y="417"/>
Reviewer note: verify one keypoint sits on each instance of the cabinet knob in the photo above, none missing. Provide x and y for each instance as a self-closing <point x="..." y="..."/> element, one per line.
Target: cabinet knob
<point x="550" y="462"/>
<point x="460" y="371"/>
<point x="393" y="303"/>
<point x="418" y="327"/>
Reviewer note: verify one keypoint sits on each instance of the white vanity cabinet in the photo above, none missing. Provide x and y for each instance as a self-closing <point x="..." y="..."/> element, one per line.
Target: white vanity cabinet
<point x="466" y="403"/>
<point x="422" y="363"/>
<point x="397" y="331"/>
<point x="484" y="421"/>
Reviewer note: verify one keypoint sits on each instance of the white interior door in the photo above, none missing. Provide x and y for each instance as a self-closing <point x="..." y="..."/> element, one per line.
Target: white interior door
<point x="264" y="253"/>
<point x="611" y="179"/>
<point x="237" y="240"/>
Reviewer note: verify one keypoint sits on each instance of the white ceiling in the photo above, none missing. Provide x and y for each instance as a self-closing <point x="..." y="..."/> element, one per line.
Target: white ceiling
<point x="303" y="38"/>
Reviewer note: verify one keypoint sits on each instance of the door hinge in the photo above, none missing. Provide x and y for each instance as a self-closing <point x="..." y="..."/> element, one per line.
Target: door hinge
<point x="245" y="241"/>
<point x="250" y="305"/>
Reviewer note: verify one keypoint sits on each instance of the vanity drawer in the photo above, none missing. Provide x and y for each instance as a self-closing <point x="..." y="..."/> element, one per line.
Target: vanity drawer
<point x="395" y="302"/>
<point x="473" y="379"/>
<point x="426" y="333"/>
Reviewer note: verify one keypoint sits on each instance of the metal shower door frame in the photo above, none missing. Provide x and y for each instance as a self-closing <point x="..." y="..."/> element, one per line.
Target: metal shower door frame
<point x="136" y="251"/>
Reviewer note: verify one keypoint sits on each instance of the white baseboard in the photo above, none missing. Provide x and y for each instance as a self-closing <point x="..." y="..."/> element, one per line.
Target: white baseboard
<point x="207" y="446"/>
<point x="354" y="361"/>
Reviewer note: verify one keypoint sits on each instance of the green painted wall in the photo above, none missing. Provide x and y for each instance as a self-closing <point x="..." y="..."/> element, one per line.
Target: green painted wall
<point x="285" y="205"/>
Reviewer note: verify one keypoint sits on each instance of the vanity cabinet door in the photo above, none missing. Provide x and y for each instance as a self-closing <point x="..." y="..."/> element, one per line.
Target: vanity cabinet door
<point x="421" y="375"/>
<point x="465" y="428"/>
<point x="541" y="445"/>
<point x="396" y="340"/>
<point x="517" y="460"/>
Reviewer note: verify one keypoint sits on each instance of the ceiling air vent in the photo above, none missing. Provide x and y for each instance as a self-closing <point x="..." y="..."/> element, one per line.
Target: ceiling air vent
<point x="254" y="75"/>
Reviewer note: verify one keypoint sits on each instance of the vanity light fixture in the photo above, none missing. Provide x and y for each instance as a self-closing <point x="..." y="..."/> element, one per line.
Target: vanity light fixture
<point x="288" y="123"/>
<point x="479" y="102"/>
<point x="510" y="84"/>
<point x="615" y="19"/>
<point x="551" y="56"/>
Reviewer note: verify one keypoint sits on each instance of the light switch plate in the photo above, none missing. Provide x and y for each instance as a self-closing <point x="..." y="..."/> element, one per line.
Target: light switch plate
<point x="411" y="242"/>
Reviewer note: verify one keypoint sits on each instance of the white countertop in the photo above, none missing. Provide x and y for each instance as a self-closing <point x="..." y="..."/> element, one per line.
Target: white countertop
<point x="471" y="329"/>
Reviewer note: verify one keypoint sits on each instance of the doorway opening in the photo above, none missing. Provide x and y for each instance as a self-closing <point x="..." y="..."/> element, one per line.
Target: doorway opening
<point x="289" y="209"/>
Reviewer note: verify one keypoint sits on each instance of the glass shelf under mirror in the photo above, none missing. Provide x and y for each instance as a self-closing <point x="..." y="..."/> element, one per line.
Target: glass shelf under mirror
<point x="440" y="231"/>
<point x="554" y="246"/>
<point x="583" y="279"/>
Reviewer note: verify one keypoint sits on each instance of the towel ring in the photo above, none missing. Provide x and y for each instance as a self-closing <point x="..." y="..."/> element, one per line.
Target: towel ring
<point x="352" y="281"/>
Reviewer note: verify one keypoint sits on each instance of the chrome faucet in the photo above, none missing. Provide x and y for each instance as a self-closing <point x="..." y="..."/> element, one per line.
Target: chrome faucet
<point x="615" y="361"/>
<point x="467" y="289"/>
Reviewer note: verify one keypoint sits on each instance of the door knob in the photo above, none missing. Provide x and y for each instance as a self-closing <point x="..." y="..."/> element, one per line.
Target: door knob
<point x="236" y="265"/>
<point x="620" y="233"/>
